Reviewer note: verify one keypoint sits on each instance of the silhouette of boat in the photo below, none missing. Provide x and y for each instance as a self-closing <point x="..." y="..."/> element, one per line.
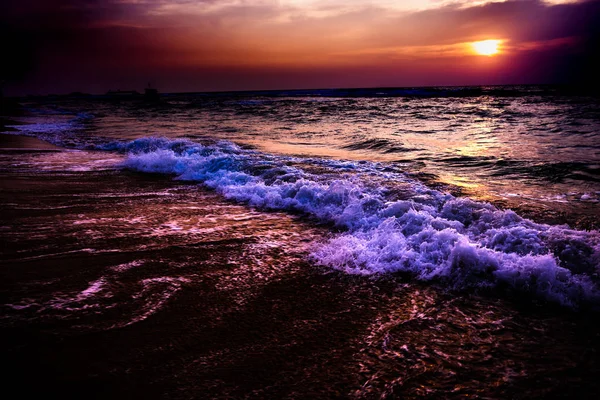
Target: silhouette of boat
<point x="151" y="94"/>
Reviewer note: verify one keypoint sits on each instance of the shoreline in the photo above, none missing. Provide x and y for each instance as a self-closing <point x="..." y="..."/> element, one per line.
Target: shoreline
<point x="119" y="284"/>
<point x="15" y="143"/>
<point x="223" y="313"/>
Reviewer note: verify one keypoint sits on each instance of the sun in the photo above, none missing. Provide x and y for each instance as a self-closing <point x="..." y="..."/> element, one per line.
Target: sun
<point x="486" y="47"/>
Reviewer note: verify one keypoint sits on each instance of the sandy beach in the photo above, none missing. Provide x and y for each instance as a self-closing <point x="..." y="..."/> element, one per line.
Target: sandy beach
<point x="118" y="284"/>
<point x="19" y="143"/>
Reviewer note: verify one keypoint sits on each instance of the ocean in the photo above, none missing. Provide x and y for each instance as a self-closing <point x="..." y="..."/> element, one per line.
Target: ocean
<point x="343" y="243"/>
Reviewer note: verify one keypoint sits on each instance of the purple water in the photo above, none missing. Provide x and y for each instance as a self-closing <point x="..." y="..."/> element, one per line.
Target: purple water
<point x="445" y="222"/>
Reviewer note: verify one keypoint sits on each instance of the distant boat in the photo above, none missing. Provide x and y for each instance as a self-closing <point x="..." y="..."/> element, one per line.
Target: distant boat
<point x="151" y="94"/>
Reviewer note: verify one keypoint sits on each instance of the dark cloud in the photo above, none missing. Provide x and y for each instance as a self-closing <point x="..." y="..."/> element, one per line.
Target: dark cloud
<point x="520" y="20"/>
<point x="30" y="27"/>
<point x="93" y="45"/>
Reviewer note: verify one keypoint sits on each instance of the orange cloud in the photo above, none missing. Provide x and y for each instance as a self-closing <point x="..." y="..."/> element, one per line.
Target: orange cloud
<point x="113" y="40"/>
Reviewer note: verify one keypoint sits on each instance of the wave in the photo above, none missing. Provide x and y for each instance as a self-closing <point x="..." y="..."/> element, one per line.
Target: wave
<point x="390" y="223"/>
<point x="384" y="145"/>
<point x="69" y="131"/>
<point x="554" y="172"/>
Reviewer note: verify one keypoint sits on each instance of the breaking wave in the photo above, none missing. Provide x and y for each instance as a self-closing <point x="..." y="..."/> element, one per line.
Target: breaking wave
<point x="389" y="223"/>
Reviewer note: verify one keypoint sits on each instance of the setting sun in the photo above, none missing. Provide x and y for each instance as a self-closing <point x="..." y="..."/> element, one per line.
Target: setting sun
<point x="486" y="47"/>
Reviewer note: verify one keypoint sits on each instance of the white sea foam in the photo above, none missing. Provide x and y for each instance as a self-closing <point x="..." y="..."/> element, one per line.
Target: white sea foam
<point x="94" y="288"/>
<point x="431" y="235"/>
<point x="127" y="266"/>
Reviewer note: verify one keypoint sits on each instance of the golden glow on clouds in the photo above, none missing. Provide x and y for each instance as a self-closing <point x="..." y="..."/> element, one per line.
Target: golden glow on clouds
<point x="317" y="8"/>
<point x="487" y="47"/>
<point x="334" y="33"/>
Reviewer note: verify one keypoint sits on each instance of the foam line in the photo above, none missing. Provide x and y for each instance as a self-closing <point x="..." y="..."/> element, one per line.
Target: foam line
<point x="428" y="234"/>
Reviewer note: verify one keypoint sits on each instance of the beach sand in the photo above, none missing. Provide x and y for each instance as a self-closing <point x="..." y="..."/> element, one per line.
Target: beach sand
<point x="124" y="285"/>
<point x="18" y="143"/>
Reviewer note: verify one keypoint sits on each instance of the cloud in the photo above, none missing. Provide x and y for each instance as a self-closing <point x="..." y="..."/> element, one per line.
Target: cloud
<point x="107" y="41"/>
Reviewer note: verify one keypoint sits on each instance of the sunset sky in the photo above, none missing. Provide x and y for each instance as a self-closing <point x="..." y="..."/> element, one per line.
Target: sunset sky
<point x="59" y="46"/>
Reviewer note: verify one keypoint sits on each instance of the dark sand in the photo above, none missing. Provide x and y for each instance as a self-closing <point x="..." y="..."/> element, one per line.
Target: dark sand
<point x="17" y="143"/>
<point x="234" y="321"/>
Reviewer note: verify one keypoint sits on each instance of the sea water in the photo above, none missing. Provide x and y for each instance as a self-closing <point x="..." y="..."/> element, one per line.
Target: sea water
<point x="444" y="193"/>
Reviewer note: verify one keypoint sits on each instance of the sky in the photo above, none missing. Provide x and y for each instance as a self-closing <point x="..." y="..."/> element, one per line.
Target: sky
<point x="61" y="46"/>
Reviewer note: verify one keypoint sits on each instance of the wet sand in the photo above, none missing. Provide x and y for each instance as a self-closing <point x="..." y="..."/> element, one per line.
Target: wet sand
<point x="121" y="285"/>
<point x="18" y="143"/>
